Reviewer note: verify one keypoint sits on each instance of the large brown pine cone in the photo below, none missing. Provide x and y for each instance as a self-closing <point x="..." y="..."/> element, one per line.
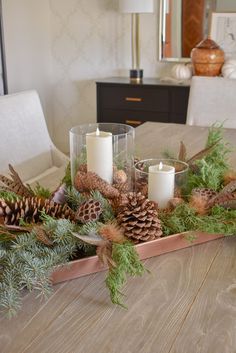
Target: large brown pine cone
<point x="139" y="218"/>
<point x="29" y="210"/>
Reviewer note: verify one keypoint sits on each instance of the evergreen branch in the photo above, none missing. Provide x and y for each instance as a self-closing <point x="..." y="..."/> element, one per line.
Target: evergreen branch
<point x="8" y="195"/>
<point x="41" y="192"/>
<point x="74" y="198"/>
<point x="127" y="263"/>
<point x="67" y="178"/>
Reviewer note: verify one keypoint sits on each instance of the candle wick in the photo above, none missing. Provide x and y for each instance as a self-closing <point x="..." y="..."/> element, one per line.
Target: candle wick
<point x="97" y="132"/>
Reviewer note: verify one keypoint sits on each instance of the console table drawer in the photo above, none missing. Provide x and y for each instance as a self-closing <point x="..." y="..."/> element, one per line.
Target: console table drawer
<point x="134" y="118"/>
<point x="135" y="98"/>
<point x="120" y="101"/>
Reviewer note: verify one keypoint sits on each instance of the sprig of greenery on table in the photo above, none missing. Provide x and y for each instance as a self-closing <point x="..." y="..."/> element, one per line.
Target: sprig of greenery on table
<point x="211" y="168"/>
<point x="184" y="218"/>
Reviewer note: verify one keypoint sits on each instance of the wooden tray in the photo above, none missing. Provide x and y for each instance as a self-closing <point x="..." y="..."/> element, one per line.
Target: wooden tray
<point x="89" y="265"/>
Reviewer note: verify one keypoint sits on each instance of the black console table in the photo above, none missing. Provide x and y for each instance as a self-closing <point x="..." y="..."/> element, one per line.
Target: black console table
<point x="120" y="101"/>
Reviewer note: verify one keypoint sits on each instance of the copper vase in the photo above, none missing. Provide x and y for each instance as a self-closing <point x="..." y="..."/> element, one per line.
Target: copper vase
<point x="207" y="58"/>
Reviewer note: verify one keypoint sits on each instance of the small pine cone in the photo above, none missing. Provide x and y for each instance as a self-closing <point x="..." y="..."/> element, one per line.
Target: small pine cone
<point x="226" y="200"/>
<point x="91" y="181"/>
<point x="139" y="218"/>
<point x="119" y="176"/>
<point x="205" y="193"/>
<point x="122" y="187"/>
<point x="83" y="168"/>
<point x="141" y="185"/>
<point x="89" y="211"/>
<point x="29" y="210"/>
<point x="229" y="177"/>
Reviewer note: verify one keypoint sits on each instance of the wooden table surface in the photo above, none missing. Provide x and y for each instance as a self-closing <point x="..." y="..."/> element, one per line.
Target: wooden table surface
<point x="187" y="304"/>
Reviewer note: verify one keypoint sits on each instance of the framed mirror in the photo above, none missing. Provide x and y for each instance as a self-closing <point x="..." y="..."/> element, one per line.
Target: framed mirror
<point x="184" y="23"/>
<point x="3" y="76"/>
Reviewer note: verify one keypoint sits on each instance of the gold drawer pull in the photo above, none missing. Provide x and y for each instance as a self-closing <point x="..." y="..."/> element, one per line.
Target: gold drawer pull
<point x="133" y="122"/>
<point x="133" y="99"/>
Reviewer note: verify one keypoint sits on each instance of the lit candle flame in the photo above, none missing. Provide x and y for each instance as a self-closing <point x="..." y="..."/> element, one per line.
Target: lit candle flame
<point x="160" y="166"/>
<point x="97" y="132"/>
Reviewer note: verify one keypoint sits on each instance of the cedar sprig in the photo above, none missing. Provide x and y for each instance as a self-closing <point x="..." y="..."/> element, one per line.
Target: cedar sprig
<point x="212" y="167"/>
<point x="127" y="264"/>
<point x="184" y="218"/>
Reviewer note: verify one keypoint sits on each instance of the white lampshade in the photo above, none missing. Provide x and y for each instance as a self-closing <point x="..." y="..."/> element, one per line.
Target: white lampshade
<point x="136" y="6"/>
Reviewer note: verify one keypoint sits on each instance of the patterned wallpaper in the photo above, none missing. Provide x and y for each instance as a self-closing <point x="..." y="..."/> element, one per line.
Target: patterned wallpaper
<point x="91" y="40"/>
<point x="64" y="46"/>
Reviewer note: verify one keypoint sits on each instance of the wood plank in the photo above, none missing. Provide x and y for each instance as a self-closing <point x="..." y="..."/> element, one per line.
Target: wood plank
<point x="210" y="325"/>
<point x="163" y="136"/>
<point x="80" y="319"/>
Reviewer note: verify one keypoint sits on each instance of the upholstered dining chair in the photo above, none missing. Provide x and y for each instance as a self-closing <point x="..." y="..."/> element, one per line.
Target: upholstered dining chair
<point x="25" y="142"/>
<point x="212" y="99"/>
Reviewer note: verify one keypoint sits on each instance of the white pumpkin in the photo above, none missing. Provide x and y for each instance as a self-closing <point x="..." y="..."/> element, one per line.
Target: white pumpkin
<point x="229" y="69"/>
<point x="182" y="72"/>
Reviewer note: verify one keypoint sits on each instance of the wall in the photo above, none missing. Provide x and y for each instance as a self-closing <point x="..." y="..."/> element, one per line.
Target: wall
<point x="226" y="5"/>
<point x="27" y="43"/>
<point x="61" y="47"/>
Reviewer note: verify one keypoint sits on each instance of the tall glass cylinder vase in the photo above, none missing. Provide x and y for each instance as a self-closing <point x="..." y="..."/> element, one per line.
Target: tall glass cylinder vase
<point x="106" y="149"/>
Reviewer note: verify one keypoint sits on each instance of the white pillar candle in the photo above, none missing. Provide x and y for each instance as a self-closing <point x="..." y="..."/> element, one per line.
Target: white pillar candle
<point x="99" y="154"/>
<point x="161" y="184"/>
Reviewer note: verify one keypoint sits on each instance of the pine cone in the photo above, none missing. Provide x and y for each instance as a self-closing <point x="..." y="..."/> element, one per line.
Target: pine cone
<point x="89" y="211"/>
<point x="119" y="176"/>
<point x="91" y="181"/>
<point x="139" y="218"/>
<point x="122" y="187"/>
<point x="226" y="200"/>
<point x="29" y="210"/>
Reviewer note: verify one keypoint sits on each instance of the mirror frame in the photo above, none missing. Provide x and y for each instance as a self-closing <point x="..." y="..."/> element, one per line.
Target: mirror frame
<point x="160" y="58"/>
<point x="2" y="54"/>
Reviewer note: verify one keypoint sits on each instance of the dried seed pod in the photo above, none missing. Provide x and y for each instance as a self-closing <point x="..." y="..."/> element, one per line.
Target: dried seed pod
<point x="89" y="211"/>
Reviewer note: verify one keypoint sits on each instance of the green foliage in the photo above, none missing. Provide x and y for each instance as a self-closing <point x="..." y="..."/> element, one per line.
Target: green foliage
<point x="168" y="154"/>
<point x="27" y="263"/>
<point x="127" y="263"/>
<point x="74" y="198"/>
<point x="67" y="178"/>
<point x="40" y="191"/>
<point x="184" y="218"/>
<point x="8" y="195"/>
<point x="210" y="169"/>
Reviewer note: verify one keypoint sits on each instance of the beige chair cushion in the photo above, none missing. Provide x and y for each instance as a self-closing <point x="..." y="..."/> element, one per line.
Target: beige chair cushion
<point x="24" y="139"/>
<point x="212" y="99"/>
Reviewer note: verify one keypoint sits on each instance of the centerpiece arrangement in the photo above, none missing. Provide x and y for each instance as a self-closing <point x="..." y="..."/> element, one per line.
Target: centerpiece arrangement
<point x="107" y="203"/>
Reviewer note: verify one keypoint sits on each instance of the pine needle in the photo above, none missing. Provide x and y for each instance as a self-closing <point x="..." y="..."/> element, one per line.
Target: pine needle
<point x="127" y="263"/>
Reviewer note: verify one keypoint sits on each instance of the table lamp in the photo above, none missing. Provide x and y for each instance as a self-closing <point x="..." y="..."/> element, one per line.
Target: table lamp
<point x="135" y="7"/>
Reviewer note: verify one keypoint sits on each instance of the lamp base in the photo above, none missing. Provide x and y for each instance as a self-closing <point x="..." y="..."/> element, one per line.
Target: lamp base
<point x="136" y="75"/>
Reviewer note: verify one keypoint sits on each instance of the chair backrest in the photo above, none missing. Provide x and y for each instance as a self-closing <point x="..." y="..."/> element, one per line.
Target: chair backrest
<point x="23" y="132"/>
<point x="212" y="99"/>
